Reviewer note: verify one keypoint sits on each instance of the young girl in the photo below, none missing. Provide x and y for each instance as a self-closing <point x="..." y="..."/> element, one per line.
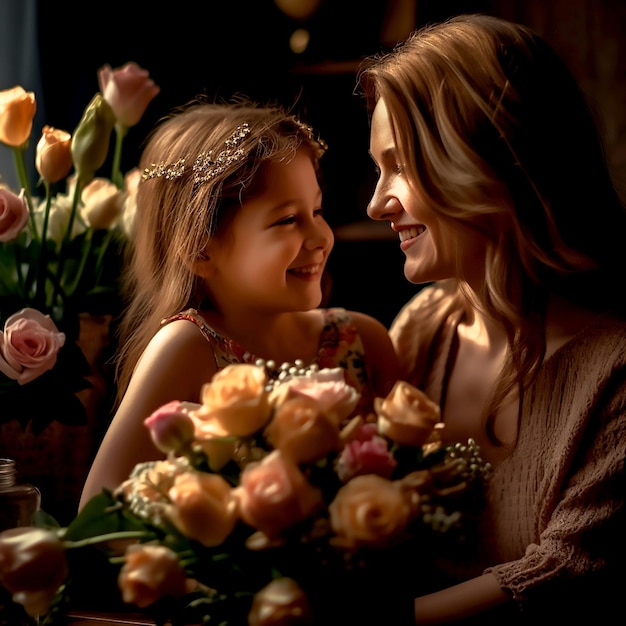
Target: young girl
<point x="230" y="246"/>
<point x="493" y="175"/>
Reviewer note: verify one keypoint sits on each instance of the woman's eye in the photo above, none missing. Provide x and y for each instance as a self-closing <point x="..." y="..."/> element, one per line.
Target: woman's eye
<point x="290" y="219"/>
<point x="398" y="168"/>
<point x="321" y="212"/>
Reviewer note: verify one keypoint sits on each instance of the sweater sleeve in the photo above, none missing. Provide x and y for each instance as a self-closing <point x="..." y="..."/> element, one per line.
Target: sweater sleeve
<point x="579" y="559"/>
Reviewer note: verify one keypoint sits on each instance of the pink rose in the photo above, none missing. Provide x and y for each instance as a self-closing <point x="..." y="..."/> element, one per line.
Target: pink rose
<point x="327" y="386"/>
<point x="274" y="495"/>
<point x="32" y="566"/>
<point x="203" y="507"/>
<point x="149" y="574"/>
<point x="13" y="214"/>
<point x="29" y="345"/>
<point x="371" y="456"/>
<point x="282" y="602"/>
<point x="171" y="428"/>
<point x="129" y="90"/>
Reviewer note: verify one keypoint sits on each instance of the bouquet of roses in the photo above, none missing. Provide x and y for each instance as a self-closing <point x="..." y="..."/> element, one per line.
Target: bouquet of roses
<point x="272" y="506"/>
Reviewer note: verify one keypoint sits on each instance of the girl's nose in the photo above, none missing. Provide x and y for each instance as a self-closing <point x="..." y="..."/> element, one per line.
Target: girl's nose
<point x="319" y="235"/>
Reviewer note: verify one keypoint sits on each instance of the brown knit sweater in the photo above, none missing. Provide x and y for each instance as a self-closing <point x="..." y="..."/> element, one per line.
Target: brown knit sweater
<point x="554" y="530"/>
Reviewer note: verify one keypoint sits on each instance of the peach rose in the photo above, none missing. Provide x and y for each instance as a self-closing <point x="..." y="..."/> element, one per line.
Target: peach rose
<point x="17" y="111"/>
<point x="53" y="158"/>
<point x="302" y="431"/>
<point x="203" y="507"/>
<point x="13" y="214"/>
<point x="149" y="574"/>
<point x="407" y="415"/>
<point x="328" y="387"/>
<point x="129" y="90"/>
<point x="282" y="602"/>
<point x="275" y="495"/>
<point x="32" y="566"/>
<point x="29" y="345"/>
<point x="370" y="511"/>
<point x="237" y="399"/>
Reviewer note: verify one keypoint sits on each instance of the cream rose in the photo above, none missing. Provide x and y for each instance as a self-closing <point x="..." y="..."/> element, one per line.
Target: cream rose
<point x="29" y="345"/>
<point x="282" y="602"/>
<point x="370" y="511"/>
<point x="237" y="399"/>
<point x="103" y="203"/>
<point x="407" y="415"/>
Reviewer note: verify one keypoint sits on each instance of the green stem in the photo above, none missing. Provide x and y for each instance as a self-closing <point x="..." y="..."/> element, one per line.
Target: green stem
<point x="22" y="176"/>
<point x="40" y="295"/>
<point x="122" y="534"/>
<point x="116" y="173"/>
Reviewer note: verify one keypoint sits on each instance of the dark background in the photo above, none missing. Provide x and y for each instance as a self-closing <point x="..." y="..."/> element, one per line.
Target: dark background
<point x="224" y="48"/>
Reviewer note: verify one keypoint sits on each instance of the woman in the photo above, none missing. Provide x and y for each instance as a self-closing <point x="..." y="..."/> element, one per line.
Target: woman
<point x="493" y="175"/>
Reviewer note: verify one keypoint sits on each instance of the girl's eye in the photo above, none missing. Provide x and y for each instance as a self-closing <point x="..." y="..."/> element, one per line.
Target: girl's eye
<point x="290" y="219"/>
<point x="321" y="212"/>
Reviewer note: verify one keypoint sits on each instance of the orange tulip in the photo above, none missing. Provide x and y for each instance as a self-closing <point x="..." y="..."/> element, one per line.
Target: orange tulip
<point x="17" y="110"/>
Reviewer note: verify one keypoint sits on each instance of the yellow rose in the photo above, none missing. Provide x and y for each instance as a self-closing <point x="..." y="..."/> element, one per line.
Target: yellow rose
<point x="17" y="111"/>
<point x="407" y="415"/>
<point x="302" y="431"/>
<point x="53" y="158"/>
<point x="237" y="398"/>
<point x="370" y="511"/>
<point x="282" y="602"/>
<point x="202" y="507"/>
<point x="149" y="574"/>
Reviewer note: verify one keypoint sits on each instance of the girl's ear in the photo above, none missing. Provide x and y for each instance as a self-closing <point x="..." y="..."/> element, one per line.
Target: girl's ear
<point x="203" y="266"/>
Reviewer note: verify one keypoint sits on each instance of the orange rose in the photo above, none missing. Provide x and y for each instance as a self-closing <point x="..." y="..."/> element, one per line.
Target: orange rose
<point x="281" y="602"/>
<point x="149" y="574"/>
<point x="202" y="507"/>
<point x="302" y="431"/>
<point x="53" y="158"/>
<point x="371" y="511"/>
<point x="237" y="398"/>
<point x="407" y="415"/>
<point x="17" y="111"/>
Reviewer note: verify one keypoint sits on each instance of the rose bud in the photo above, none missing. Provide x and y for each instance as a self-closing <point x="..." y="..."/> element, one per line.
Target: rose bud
<point x="171" y="428"/>
<point x="13" y="214"/>
<point x="53" y="158"/>
<point x="32" y="566"/>
<point x="29" y="345"/>
<point x="90" y="142"/>
<point x="282" y="602"/>
<point x="17" y="111"/>
<point x="371" y="456"/>
<point x="407" y="415"/>
<point x="149" y="574"/>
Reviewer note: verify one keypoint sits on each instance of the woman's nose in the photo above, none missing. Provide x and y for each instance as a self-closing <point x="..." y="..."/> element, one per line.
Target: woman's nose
<point x="382" y="206"/>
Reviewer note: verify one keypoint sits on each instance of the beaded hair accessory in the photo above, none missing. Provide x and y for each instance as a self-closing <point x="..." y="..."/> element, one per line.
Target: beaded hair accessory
<point x="206" y="166"/>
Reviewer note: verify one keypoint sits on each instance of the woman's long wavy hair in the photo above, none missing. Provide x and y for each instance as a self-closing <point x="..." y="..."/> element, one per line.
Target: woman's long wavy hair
<point x="495" y="133"/>
<point x="176" y="217"/>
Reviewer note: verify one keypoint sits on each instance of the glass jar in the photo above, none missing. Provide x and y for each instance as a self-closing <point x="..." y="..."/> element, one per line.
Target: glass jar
<point x="18" y="501"/>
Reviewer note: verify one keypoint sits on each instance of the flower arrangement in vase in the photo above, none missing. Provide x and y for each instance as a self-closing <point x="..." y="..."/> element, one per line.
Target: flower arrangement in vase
<point x="273" y="506"/>
<point x="60" y="255"/>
